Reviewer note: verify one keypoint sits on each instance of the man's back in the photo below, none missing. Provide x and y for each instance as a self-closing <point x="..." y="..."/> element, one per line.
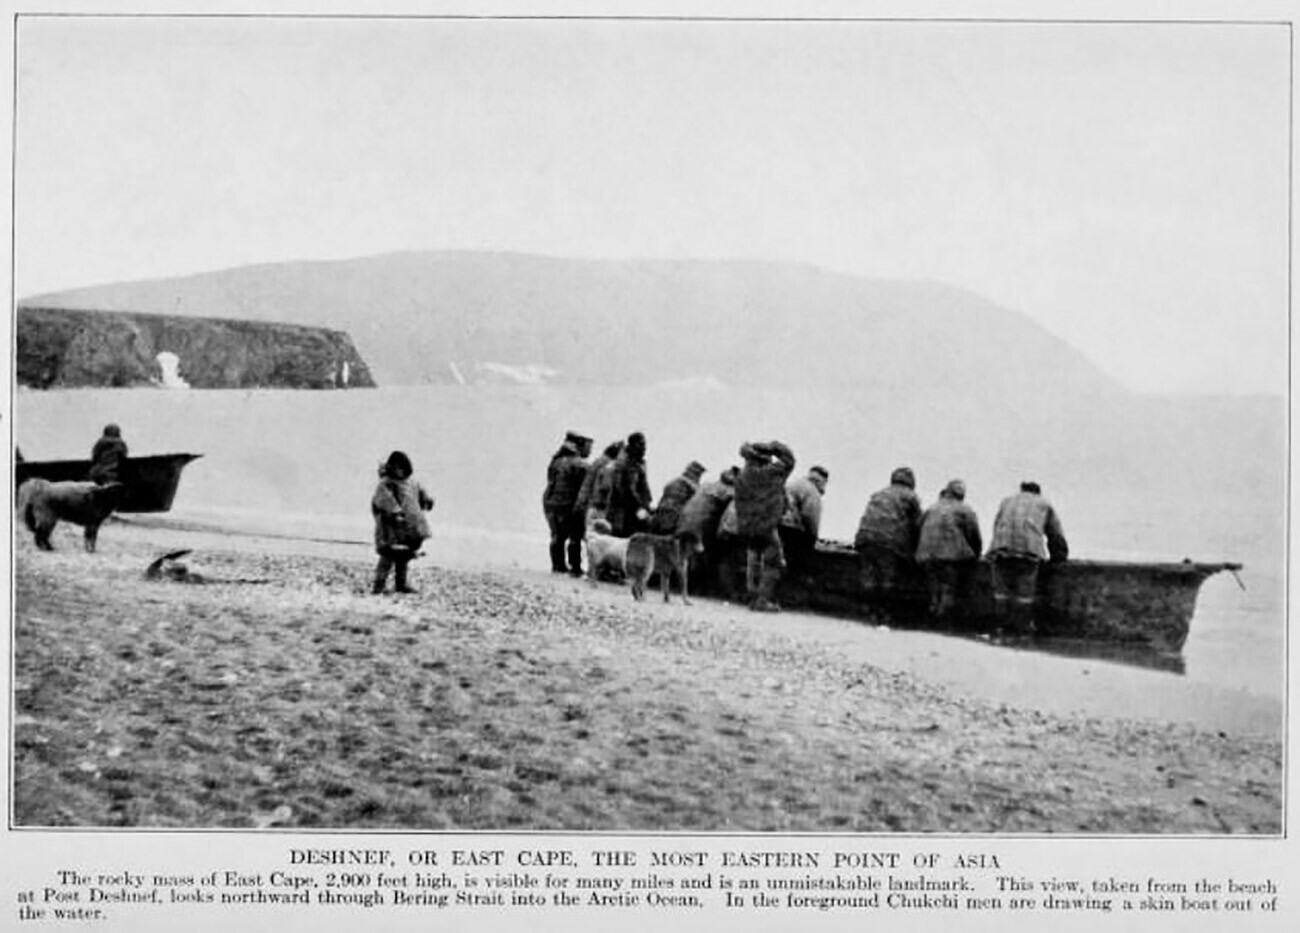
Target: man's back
<point x="892" y="520"/>
<point x="949" y="531"/>
<point x="804" y="509"/>
<point x="564" y="479"/>
<point x="667" y="515"/>
<point x="703" y="510"/>
<point x="760" y="487"/>
<point x="107" y="457"/>
<point x="1027" y="526"/>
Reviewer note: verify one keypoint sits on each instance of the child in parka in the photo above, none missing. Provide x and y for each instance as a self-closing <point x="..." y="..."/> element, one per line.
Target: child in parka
<point x="399" y="504"/>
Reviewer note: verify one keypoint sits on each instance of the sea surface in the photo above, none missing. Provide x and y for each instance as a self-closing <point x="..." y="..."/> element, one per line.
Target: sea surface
<point x="1136" y="478"/>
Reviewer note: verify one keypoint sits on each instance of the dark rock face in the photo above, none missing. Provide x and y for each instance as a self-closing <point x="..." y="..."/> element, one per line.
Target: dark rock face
<point x="61" y="347"/>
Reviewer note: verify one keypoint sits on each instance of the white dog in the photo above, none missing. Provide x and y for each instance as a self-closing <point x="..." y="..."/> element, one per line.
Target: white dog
<point x="604" y="551"/>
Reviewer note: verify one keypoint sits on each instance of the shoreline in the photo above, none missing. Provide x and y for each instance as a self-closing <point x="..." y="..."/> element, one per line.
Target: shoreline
<point x="1021" y="675"/>
<point x="508" y="699"/>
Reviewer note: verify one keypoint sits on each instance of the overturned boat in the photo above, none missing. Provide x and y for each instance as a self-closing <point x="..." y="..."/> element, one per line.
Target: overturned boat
<point x="151" y="481"/>
<point x="1117" y="603"/>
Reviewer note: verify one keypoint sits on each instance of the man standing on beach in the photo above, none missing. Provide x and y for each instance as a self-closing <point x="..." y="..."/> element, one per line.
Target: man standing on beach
<point x="1026" y="532"/>
<point x="593" y="498"/>
<point x="760" y="503"/>
<point x="564" y="479"/>
<point x="398" y="505"/>
<point x="629" y="489"/>
<point x="107" y="456"/>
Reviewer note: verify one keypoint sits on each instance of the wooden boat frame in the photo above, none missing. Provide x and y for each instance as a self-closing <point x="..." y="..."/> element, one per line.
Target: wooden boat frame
<point x="1115" y="602"/>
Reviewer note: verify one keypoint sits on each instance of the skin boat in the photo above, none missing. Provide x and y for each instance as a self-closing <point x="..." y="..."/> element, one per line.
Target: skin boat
<point x="1116" y="603"/>
<point x="151" y="481"/>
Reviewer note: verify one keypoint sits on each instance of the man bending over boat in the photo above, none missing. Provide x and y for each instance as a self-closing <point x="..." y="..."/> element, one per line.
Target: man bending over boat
<point x="950" y="545"/>
<point x="1026" y="532"/>
<point x="702" y="521"/>
<point x="887" y="537"/>
<point x="801" y="523"/>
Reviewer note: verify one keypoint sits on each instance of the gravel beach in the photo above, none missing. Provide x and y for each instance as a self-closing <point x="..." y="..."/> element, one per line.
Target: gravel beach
<point x="279" y="693"/>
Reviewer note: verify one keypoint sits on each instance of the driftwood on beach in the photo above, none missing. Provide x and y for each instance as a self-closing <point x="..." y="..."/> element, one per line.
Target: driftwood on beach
<point x="1117" y="602"/>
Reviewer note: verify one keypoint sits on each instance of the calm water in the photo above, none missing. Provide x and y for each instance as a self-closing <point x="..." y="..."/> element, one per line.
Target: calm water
<point x="1143" y="480"/>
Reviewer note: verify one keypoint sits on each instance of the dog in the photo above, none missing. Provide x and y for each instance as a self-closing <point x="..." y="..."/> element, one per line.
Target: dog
<point x="43" y="503"/>
<point x="668" y="554"/>
<point x="605" y="552"/>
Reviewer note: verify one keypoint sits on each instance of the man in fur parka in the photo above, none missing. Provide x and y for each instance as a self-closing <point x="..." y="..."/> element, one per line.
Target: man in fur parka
<point x="565" y="475"/>
<point x="629" y="492"/>
<point x="399" y="504"/>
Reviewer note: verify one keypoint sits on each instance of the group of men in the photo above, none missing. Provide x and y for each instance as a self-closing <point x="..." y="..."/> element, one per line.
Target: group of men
<point x="754" y="504"/>
<point x="613" y="487"/>
<point x="895" y="535"/>
<point x="775" y="520"/>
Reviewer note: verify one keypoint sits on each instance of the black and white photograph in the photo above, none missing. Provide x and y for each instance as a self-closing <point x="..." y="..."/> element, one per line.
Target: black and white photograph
<point x="760" y="423"/>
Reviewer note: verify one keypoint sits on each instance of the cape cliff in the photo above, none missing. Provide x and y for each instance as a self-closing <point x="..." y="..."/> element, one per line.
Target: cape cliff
<point x="66" y="348"/>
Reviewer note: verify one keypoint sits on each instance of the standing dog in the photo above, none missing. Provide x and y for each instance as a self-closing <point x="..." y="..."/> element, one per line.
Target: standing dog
<point x="43" y="503"/>
<point x="667" y="554"/>
<point x="604" y="551"/>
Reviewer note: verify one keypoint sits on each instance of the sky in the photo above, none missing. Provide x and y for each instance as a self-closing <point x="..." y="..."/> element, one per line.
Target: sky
<point x="1125" y="185"/>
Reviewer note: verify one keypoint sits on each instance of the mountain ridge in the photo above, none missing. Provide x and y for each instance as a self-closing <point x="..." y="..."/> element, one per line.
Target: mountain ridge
<point x="422" y="316"/>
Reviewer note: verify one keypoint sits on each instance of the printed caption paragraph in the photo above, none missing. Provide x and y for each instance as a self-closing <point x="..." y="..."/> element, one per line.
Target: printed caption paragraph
<point x="667" y="880"/>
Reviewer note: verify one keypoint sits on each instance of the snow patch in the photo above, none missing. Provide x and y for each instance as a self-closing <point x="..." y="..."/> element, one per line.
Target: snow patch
<point x="170" y="366"/>
<point x="525" y="374"/>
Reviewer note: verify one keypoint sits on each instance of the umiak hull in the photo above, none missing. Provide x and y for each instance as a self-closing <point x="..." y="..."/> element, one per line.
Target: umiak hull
<point x="151" y="482"/>
<point x="1110" y="602"/>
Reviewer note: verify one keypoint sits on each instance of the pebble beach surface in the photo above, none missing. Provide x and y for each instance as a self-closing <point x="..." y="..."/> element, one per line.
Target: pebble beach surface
<point x="280" y="693"/>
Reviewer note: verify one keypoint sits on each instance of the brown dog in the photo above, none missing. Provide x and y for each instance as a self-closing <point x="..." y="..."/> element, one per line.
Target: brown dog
<point x="43" y="503"/>
<point x="667" y="554"/>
